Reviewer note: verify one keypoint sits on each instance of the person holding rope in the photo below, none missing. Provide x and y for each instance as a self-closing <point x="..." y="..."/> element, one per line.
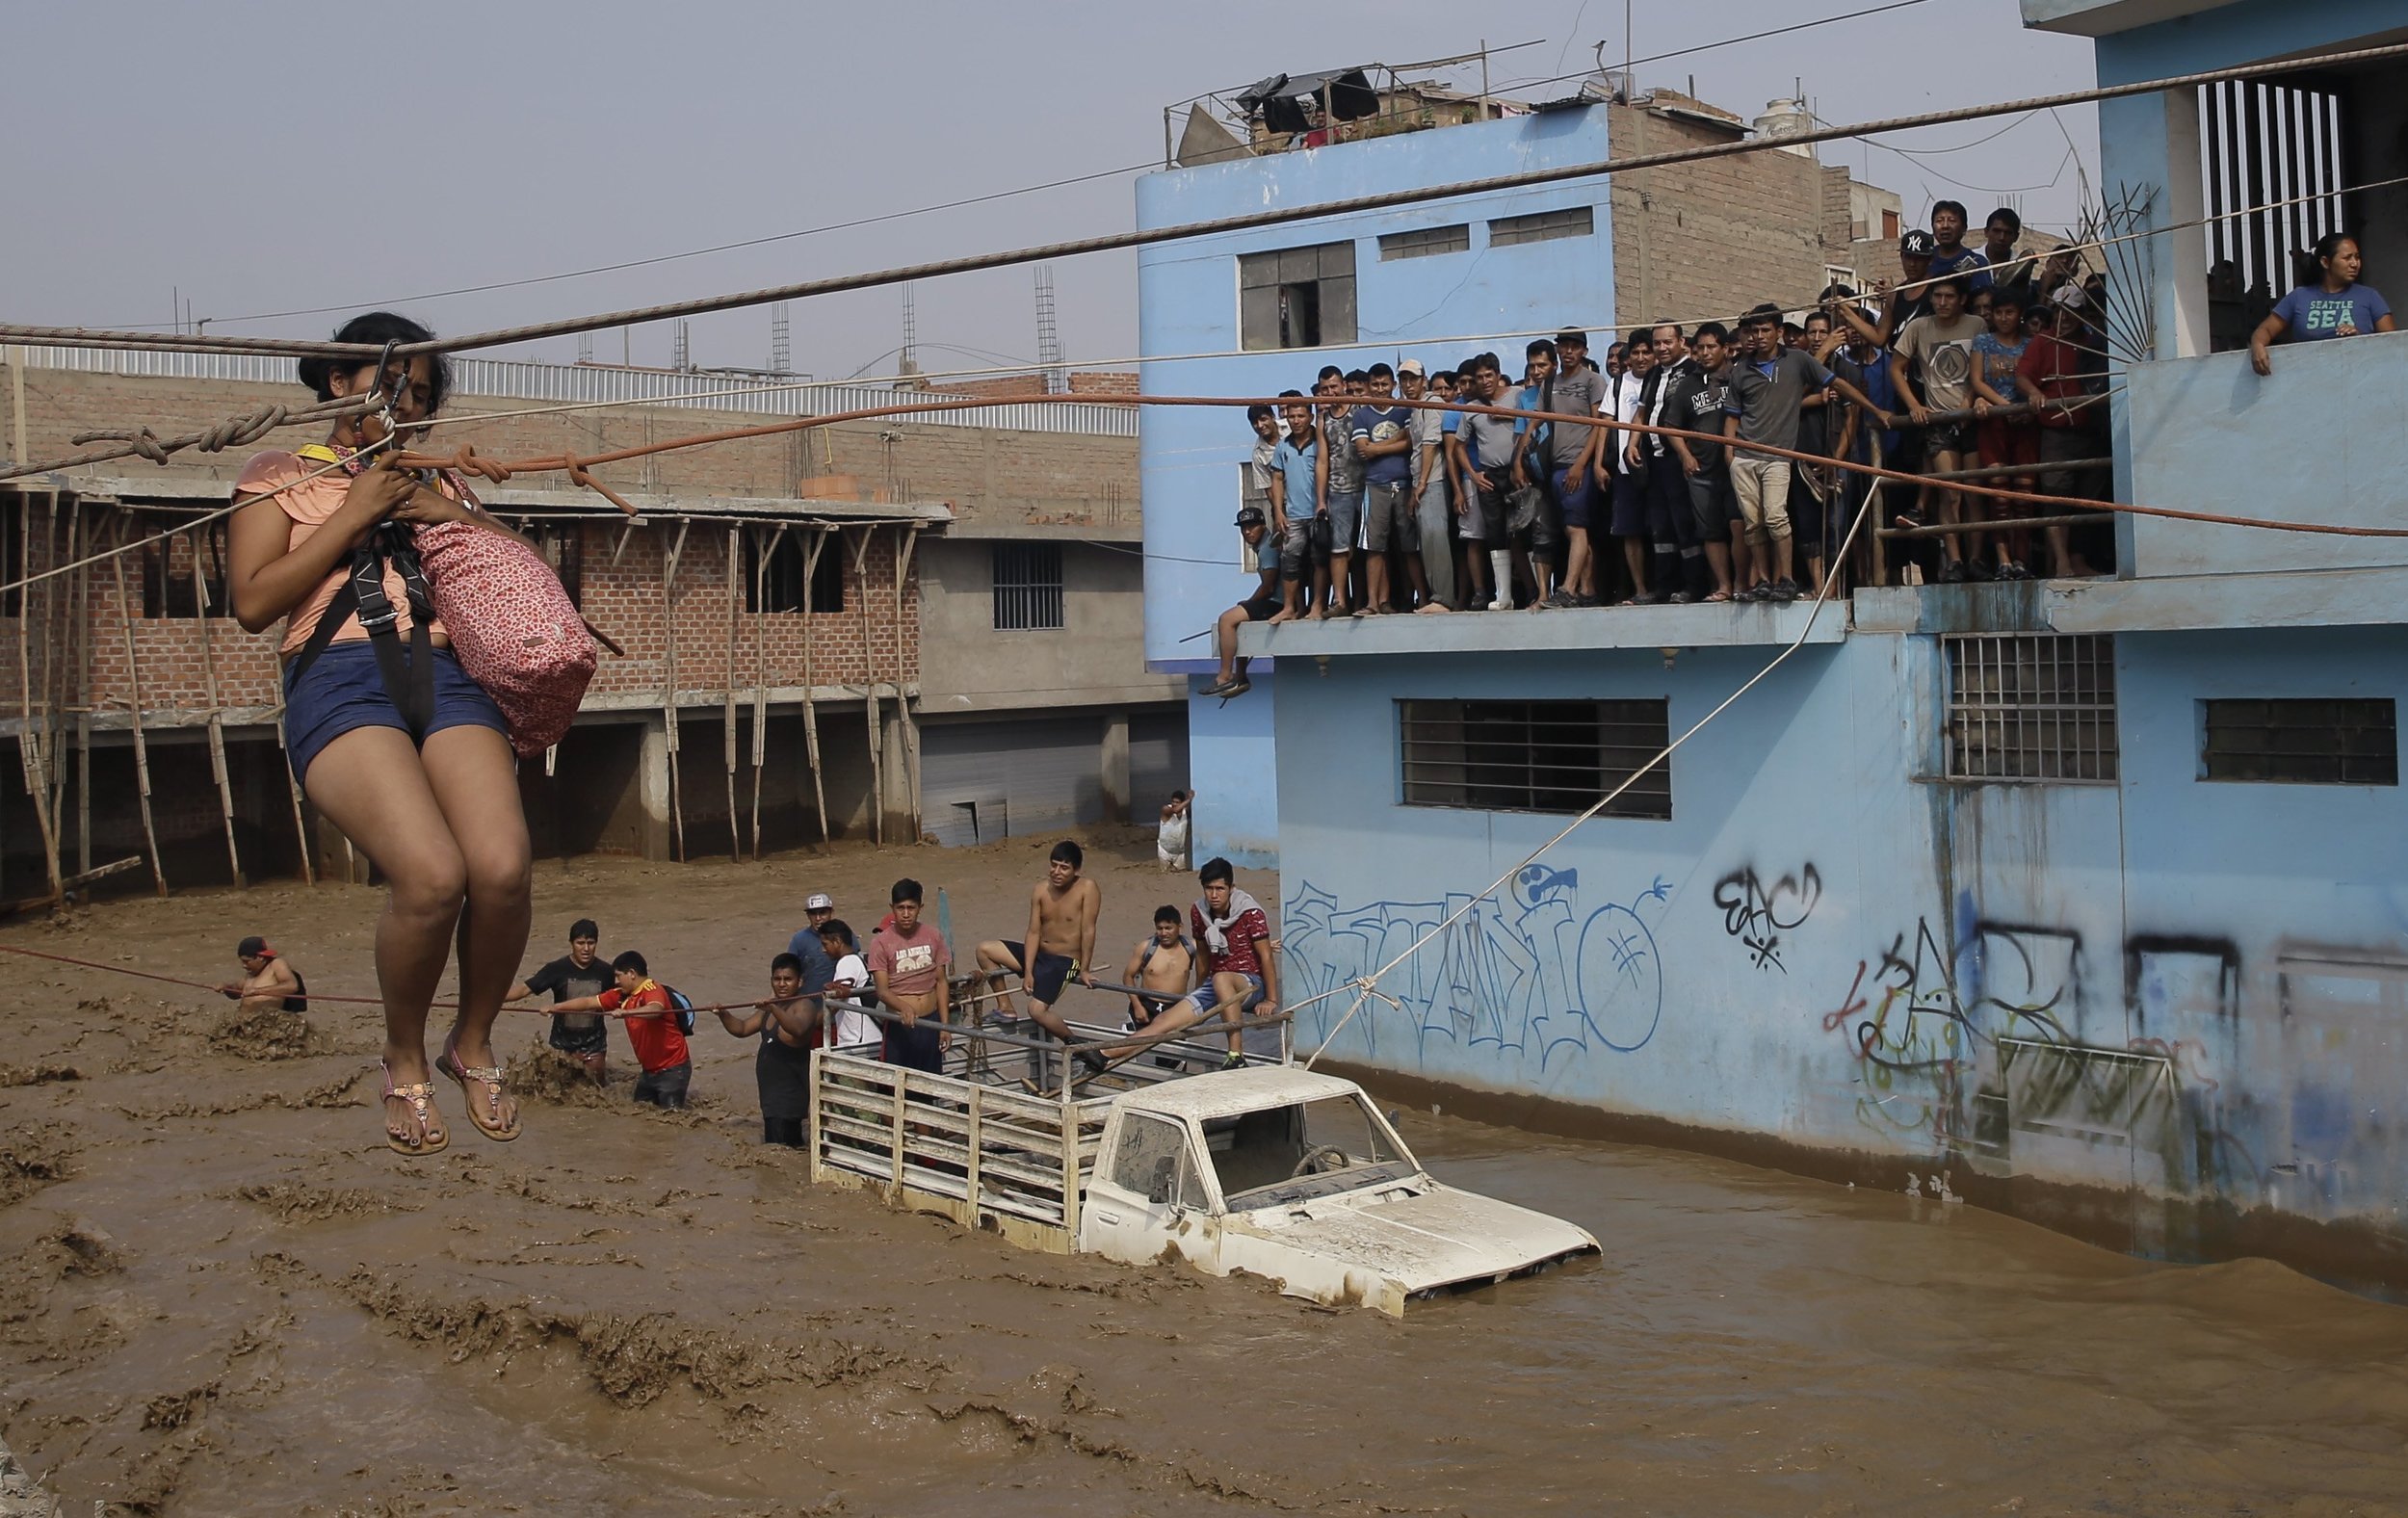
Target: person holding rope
<point x="583" y="1037"/>
<point x="788" y="1024"/>
<point x="1161" y="968"/>
<point x="269" y="984"/>
<point x="392" y="742"/>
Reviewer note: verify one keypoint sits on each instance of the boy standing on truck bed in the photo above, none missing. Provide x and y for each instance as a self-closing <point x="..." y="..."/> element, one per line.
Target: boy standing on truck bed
<point x="1063" y="910"/>
<point x="909" y="960"/>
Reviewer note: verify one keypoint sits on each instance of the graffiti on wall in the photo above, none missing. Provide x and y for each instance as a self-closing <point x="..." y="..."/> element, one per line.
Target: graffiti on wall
<point x="1535" y="970"/>
<point x="1757" y="915"/>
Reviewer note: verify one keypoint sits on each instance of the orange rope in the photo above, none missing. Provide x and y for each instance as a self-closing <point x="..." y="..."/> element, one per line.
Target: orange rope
<point x="577" y="467"/>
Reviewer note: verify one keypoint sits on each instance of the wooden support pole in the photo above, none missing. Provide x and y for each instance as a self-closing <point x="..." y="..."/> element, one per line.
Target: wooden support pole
<point x="668" y="687"/>
<point x="761" y="676"/>
<point x="292" y="782"/>
<point x="810" y="710"/>
<point x="907" y="545"/>
<point x="38" y="786"/>
<point x="75" y="684"/>
<point x="869" y="687"/>
<point x="217" y="720"/>
<point x="134" y="703"/>
<point x="735" y="572"/>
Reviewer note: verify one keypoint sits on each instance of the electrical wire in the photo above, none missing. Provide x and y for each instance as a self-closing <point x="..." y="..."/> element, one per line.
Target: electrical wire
<point x="1278" y="216"/>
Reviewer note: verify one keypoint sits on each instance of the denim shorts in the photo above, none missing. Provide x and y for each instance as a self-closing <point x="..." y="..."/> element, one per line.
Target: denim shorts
<point x="1346" y="518"/>
<point x="1207" y="995"/>
<point x="345" y="690"/>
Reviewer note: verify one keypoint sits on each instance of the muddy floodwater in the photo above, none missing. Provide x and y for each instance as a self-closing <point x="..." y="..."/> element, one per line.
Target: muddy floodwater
<point x="221" y="1294"/>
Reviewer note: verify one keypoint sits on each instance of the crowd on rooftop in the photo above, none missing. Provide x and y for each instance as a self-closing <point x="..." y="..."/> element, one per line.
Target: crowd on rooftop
<point x="1981" y="362"/>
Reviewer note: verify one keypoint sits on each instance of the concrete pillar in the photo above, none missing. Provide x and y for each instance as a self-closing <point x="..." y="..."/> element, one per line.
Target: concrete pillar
<point x="1114" y="767"/>
<point x="895" y="770"/>
<point x="652" y="824"/>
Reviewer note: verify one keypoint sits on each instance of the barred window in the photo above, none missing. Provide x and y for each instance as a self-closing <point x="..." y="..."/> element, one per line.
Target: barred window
<point x="1296" y="297"/>
<point x="2300" y="742"/>
<point x="1536" y="756"/>
<point x="1541" y="226"/>
<point x="1426" y="242"/>
<point x="1027" y="586"/>
<point x="2031" y="707"/>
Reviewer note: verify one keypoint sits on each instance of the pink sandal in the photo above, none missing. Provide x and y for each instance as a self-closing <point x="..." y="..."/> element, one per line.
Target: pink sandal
<point x="485" y="1075"/>
<point x="420" y="1095"/>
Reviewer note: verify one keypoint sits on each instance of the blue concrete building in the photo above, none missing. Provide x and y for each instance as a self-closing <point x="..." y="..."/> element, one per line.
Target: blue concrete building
<point x="2084" y="898"/>
<point x="1385" y="285"/>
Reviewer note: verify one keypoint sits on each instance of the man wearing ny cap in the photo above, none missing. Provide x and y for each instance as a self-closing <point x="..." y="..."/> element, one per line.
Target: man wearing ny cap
<point x="267" y="984"/>
<point x="1261" y="607"/>
<point x="817" y="967"/>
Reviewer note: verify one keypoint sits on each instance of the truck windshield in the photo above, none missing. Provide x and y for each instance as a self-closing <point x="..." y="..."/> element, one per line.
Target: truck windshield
<point x="1297" y="1152"/>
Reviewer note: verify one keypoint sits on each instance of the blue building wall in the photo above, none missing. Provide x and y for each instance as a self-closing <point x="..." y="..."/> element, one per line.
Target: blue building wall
<point x="2186" y="989"/>
<point x="1233" y="766"/>
<point x="1190" y="459"/>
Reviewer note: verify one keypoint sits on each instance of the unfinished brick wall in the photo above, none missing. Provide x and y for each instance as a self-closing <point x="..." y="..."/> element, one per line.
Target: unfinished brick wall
<point x="1706" y="240"/>
<point x="1069" y="478"/>
<point x="986" y="473"/>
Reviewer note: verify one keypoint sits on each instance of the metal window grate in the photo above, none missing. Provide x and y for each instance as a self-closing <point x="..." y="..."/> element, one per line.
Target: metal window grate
<point x="1426" y="242"/>
<point x="2024" y="707"/>
<point x="1540" y="226"/>
<point x="2301" y="741"/>
<point x="1027" y="586"/>
<point x="1536" y="756"/>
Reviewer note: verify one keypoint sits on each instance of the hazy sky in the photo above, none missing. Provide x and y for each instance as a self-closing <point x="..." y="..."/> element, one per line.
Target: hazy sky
<point x="264" y="157"/>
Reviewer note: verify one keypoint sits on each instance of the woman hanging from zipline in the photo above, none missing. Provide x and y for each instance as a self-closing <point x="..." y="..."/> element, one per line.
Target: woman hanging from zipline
<point x="391" y="738"/>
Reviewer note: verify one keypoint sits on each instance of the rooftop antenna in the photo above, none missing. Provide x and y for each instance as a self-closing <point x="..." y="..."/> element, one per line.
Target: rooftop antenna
<point x="585" y="347"/>
<point x="1048" y="337"/>
<point x="781" y="352"/>
<point x="681" y="356"/>
<point x="909" y="362"/>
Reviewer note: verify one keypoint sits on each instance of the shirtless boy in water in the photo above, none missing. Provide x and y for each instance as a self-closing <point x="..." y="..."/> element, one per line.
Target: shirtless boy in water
<point x="267" y="984"/>
<point x="1062" y="931"/>
<point x="1162" y="968"/>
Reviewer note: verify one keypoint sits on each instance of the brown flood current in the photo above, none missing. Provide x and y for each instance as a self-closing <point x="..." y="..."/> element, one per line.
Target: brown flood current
<point x="219" y="1293"/>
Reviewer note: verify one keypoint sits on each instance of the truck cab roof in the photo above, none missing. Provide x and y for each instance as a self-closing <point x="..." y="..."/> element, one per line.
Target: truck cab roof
<point x="1226" y="1093"/>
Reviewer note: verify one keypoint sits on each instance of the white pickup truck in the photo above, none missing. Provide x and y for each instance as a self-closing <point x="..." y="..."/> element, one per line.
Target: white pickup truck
<point x="1277" y="1171"/>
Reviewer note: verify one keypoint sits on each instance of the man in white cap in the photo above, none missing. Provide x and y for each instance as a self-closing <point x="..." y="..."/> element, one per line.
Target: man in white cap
<point x="817" y="967"/>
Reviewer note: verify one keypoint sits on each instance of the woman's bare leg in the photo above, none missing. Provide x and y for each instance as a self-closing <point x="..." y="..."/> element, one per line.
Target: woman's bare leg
<point x="475" y="780"/>
<point x="369" y="783"/>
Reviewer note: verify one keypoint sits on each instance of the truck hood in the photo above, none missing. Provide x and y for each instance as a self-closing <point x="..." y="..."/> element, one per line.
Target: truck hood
<point x="1433" y="1237"/>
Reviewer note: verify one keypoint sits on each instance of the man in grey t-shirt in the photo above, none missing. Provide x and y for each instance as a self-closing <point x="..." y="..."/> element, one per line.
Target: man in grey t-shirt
<point x="1769" y="386"/>
<point x="1346" y="482"/>
<point x="1573" y="389"/>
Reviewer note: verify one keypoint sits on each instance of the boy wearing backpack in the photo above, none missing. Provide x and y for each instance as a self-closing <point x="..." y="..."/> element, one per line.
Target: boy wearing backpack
<point x="658" y="1020"/>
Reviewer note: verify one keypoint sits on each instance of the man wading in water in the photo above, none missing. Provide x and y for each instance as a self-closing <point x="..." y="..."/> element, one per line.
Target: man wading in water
<point x="1061" y="931"/>
<point x="267" y="984"/>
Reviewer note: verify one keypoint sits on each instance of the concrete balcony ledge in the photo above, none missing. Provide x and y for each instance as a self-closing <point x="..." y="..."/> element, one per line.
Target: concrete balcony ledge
<point x="2375" y="595"/>
<point x="1695" y="626"/>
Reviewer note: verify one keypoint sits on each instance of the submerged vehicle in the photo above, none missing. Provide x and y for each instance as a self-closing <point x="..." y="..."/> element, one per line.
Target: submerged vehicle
<point x="1269" y="1170"/>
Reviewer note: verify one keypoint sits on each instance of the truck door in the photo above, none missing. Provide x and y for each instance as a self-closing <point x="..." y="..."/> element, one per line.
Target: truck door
<point x="1144" y="1188"/>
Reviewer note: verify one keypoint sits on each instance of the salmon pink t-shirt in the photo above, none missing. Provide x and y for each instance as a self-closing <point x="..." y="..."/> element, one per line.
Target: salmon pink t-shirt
<point x="309" y="505"/>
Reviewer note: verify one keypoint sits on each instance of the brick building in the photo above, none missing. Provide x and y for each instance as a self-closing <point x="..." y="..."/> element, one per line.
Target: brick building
<point x="769" y="597"/>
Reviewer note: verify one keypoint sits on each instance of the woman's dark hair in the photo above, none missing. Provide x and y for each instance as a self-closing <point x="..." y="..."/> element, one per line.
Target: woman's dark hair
<point x="2330" y="243"/>
<point x="379" y="328"/>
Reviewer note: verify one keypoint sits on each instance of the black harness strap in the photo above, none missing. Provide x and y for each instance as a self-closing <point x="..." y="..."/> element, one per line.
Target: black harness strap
<point x="410" y="681"/>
